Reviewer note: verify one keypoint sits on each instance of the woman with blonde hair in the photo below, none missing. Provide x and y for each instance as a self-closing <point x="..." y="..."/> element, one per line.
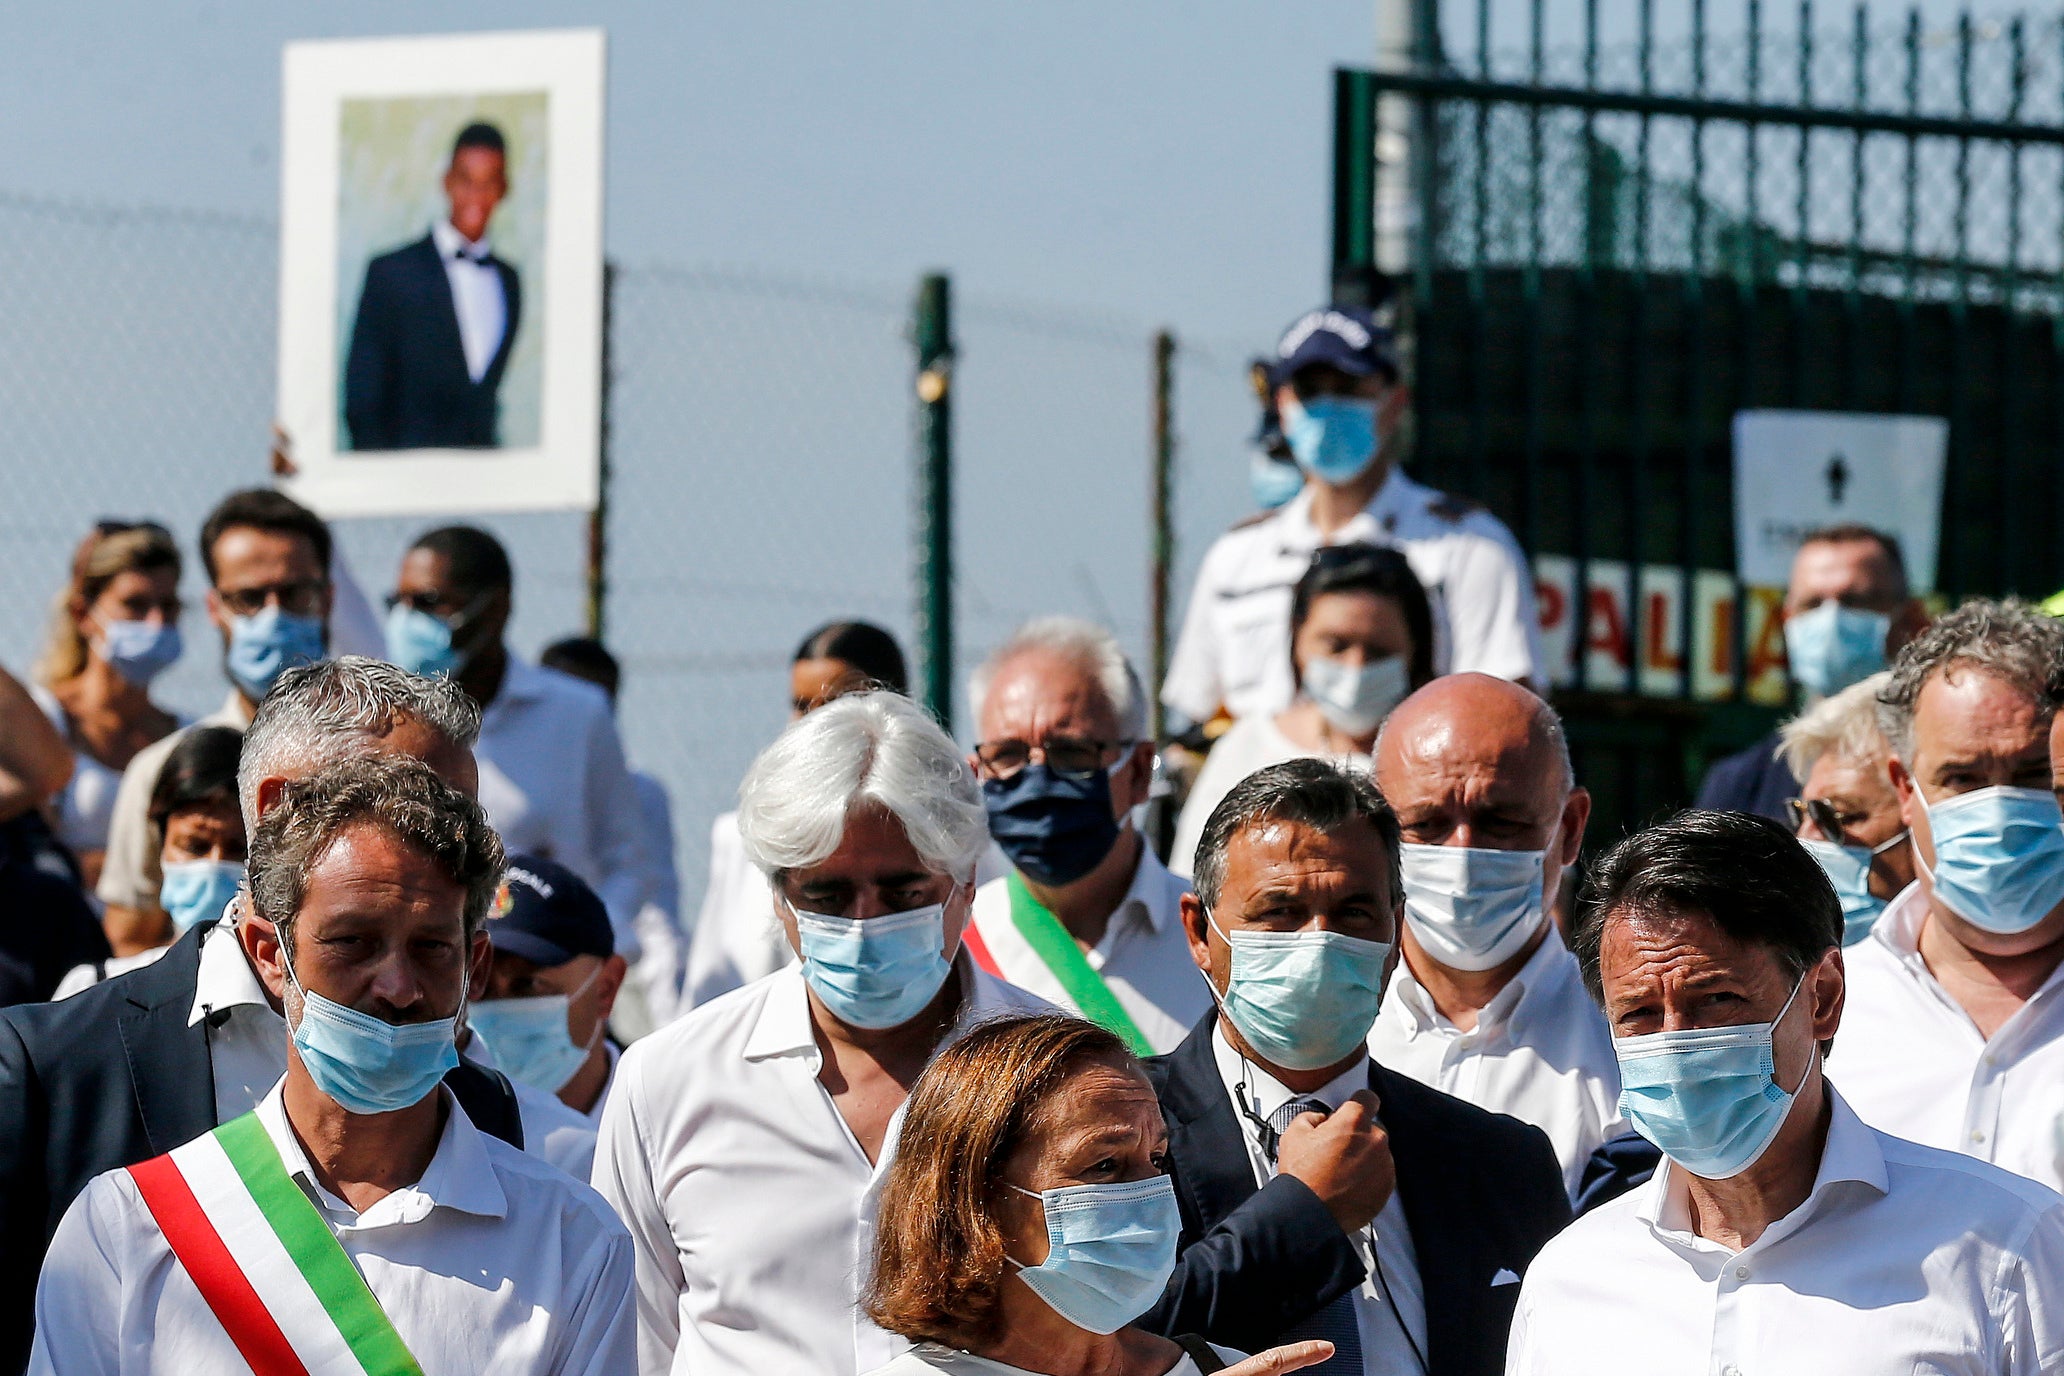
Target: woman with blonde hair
<point x="114" y="629"/>
<point x="1026" y="1220"/>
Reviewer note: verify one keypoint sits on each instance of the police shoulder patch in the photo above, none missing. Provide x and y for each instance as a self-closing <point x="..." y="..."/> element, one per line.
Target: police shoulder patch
<point x="1451" y="508"/>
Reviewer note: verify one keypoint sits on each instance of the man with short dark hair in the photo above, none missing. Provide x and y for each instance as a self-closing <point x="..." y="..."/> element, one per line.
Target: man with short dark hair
<point x="1956" y="998"/>
<point x="437" y="319"/>
<point x="1848" y="608"/>
<point x="1322" y="1195"/>
<point x="268" y="559"/>
<point x="552" y="772"/>
<point x="1780" y="1232"/>
<point x="356" y="1217"/>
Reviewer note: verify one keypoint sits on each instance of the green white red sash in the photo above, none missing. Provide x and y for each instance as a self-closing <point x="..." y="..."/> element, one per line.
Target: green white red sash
<point x="1035" y="936"/>
<point x="265" y="1261"/>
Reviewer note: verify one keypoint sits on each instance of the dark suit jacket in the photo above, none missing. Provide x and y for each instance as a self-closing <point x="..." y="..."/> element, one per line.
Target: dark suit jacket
<point x="1752" y="780"/>
<point x="110" y="1077"/>
<point x="405" y="381"/>
<point x="1481" y="1193"/>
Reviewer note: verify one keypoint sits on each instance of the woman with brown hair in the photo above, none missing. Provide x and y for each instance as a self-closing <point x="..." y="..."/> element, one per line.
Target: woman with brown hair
<point x="115" y="628"/>
<point x="1026" y="1220"/>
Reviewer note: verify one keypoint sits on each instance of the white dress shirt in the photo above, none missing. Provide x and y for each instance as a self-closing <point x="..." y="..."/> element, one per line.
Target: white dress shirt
<point x="1249" y="744"/>
<point x="493" y="1262"/>
<point x="750" y="1200"/>
<point x="561" y="1135"/>
<point x="1902" y="1259"/>
<point x="1143" y="955"/>
<point x="1235" y="643"/>
<point x="477" y="299"/>
<point x="553" y="782"/>
<point x="1913" y="1063"/>
<point x="1540" y="1051"/>
<point x="247" y="1040"/>
<point x="1386" y="1350"/>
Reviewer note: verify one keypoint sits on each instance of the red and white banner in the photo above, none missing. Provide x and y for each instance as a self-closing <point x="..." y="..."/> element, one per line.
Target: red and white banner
<point x="1606" y="629"/>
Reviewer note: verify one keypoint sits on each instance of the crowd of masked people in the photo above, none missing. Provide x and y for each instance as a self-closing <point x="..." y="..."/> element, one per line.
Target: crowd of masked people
<point x="354" y="1027"/>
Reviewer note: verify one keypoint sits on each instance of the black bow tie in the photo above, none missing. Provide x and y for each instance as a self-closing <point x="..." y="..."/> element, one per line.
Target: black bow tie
<point x="461" y="256"/>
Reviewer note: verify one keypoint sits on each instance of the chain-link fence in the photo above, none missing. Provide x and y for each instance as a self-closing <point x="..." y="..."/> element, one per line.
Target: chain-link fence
<point x="761" y="467"/>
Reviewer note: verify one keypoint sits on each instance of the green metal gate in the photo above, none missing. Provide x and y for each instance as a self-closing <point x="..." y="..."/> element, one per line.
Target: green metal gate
<point x="1614" y="250"/>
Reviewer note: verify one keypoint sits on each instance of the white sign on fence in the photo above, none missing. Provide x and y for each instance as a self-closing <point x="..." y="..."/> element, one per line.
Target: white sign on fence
<point x="1795" y="471"/>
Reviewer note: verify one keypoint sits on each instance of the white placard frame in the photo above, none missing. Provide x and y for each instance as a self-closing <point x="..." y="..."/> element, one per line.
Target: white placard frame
<point x="562" y="471"/>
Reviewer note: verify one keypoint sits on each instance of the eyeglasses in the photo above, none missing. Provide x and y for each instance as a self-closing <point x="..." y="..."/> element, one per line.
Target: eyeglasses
<point x="1831" y="824"/>
<point x="1071" y="757"/>
<point x="439" y="604"/>
<point x="302" y="597"/>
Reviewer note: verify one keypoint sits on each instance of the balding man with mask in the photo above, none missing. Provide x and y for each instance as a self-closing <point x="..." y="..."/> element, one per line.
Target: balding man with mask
<point x="1486" y="1003"/>
<point x="149" y="1060"/>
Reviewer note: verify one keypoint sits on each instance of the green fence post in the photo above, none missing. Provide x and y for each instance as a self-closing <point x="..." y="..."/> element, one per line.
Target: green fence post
<point x="1162" y="498"/>
<point x="598" y="518"/>
<point x="932" y="333"/>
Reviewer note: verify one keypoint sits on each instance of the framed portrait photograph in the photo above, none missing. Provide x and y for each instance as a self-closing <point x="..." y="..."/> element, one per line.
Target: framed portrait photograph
<point x="440" y="345"/>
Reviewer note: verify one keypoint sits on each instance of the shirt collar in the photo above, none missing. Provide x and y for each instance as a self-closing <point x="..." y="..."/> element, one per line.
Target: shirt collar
<point x="1898" y="932"/>
<point x="460" y="1176"/>
<point x="1851" y="1154"/>
<point x="1371" y="525"/>
<point x="1531" y="985"/>
<point x="522" y="681"/>
<point x="226" y="979"/>
<point x="1148" y="892"/>
<point x="449" y="242"/>
<point x="783" y="1027"/>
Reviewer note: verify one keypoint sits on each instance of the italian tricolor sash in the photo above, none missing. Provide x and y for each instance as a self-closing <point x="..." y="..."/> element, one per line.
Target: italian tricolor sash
<point x="264" y="1259"/>
<point x="1054" y="947"/>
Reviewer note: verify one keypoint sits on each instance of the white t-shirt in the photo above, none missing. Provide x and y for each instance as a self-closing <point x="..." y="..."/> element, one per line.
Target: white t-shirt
<point x="1251" y="743"/>
<point x="1234" y="649"/>
<point x="928" y="1358"/>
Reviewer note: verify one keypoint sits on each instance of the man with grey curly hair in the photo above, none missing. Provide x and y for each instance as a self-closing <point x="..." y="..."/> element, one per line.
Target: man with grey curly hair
<point x="743" y="1141"/>
<point x="1954" y="1034"/>
<point x="1847" y="814"/>
<point x="358" y="1172"/>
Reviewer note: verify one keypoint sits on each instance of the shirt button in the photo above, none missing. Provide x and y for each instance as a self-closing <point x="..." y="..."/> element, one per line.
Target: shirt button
<point x="1741" y="1273"/>
<point x="1978" y="1137"/>
<point x="1730" y="1371"/>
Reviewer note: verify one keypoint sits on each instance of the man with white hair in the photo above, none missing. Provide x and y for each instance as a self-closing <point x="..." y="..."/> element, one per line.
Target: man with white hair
<point x="1954" y="1034"/>
<point x="1088" y="918"/>
<point x="744" y="1145"/>
<point x="1847" y="814"/>
<point x="142" y="1063"/>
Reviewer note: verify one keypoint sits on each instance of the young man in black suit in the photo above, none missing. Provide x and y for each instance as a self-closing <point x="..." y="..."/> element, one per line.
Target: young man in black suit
<point x="1323" y="1196"/>
<point x="436" y="320"/>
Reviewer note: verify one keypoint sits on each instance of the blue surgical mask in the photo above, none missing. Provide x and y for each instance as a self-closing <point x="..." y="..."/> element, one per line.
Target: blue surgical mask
<point x="1473" y="909"/>
<point x="531" y="1039"/>
<point x="368" y="1065"/>
<point x="1707" y="1096"/>
<point x="1999" y="857"/>
<point x="1848" y="868"/>
<point x="1272" y="481"/>
<point x="140" y="650"/>
<point x="1111" y="1250"/>
<point x="1303" y="1000"/>
<point x="196" y="890"/>
<point x="266" y="645"/>
<point x="1356" y="699"/>
<point x="875" y="972"/>
<point x="1332" y="438"/>
<point x="419" y="642"/>
<point x="1054" y="827"/>
<point x="1833" y="646"/>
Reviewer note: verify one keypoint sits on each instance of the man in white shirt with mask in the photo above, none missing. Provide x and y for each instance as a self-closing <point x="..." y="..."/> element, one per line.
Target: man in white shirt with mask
<point x="745" y="1144"/>
<point x="1089" y="918"/>
<point x="1345" y="408"/>
<point x="1487" y="1003"/>
<point x="1955" y="1030"/>
<point x="1781" y="1234"/>
<point x="356" y="1218"/>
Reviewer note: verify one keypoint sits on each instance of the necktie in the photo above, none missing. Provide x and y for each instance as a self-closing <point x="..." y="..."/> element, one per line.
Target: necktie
<point x="1335" y="1321"/>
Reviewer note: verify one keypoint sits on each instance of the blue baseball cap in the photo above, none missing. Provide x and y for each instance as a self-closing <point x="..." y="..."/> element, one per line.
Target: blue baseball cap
<point x="1343" y="337"/>
<point x="546" y="914"/>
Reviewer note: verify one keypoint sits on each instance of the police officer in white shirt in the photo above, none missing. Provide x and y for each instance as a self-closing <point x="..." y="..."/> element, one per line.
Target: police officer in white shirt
<point x="1089" y="918"/>
<point x="1344" y="407"/>
<point x="357" y="1215"/>
<point x="1955" y="1030"/>
<point x="1781" y="1234"/>
<point x="745" y="1144"/>
<point x="552" y="772"/>
<point x="545" y="1013"/>
<point x="1487" y="1003"/>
